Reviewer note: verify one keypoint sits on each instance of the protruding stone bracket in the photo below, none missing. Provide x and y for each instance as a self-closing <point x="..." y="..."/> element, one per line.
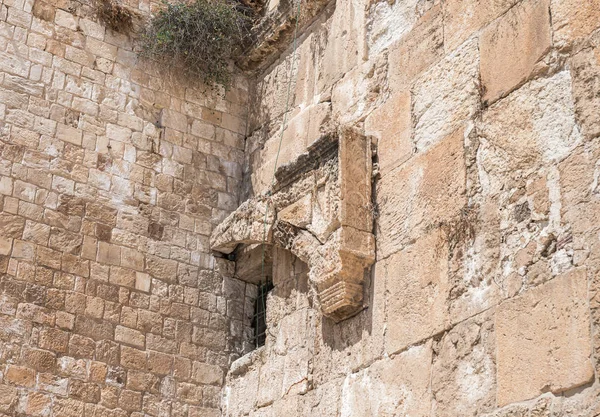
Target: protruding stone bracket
<point x="319" y="209"/>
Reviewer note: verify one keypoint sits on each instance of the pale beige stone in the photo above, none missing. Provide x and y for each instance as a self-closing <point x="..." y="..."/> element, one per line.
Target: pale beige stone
<point x="391" y="124"/>
<point x="534" y="125"/>
<point x="429" y="190"/>
<point x="586" y="87"/>
<point x="417" y="50"/>
<point x="446" y="96"/>
<point x="417" y="292"/>
<point x="462" y="18"/>
<point x="511" y="46"/>
<point x="142" y="281"/>
<point x="543" y="340"/>
<point x="573" y="20"/>
<point x="391" y="387"/>
<point x="463" y="375"/>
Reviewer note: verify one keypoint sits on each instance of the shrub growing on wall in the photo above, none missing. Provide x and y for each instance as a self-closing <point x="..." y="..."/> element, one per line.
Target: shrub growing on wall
<point x="203" y="36"/>
<point x="114" y="15"/>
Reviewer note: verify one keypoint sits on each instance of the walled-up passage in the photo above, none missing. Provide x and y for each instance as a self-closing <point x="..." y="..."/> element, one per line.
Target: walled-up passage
<point x="480" y="275"/>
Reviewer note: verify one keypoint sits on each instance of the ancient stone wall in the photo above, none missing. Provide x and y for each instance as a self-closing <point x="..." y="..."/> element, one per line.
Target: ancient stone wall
<point x="113" y="173"/>
<point x="484" y="296"/>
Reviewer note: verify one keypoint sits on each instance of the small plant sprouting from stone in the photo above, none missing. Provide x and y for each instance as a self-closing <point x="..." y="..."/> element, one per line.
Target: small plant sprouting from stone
<point x="200" y="36"/>
<point x="115" y="15"/>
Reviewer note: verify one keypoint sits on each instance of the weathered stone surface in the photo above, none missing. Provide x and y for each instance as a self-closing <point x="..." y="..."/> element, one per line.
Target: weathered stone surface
<point x="391" y="124"/>
<point x="463" y="375"/>
<point x="541" y="114"/>
<point x="465" y="17"/>
<point x="417" y="50"/>
<point x="586" y="87"/>
<point x="425" y="192"/>
<point x="391" y="387"/>
<point x="543" y="340"/>
<point x="388" y="22"/>
<point x="574" y="20"/>
<point x="511" y="46"/>
<point x="446" y="96"/>
<point x="417" y="292"/>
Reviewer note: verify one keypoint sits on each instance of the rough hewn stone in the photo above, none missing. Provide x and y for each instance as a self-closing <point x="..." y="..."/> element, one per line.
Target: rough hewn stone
<point x="511" y="46"/>
<point x="543" y="340"/>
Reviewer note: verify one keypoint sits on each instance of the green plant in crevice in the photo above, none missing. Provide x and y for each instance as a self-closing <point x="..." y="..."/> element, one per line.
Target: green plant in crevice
<point x="200" y="36"/>
<point x="115" y="15"/>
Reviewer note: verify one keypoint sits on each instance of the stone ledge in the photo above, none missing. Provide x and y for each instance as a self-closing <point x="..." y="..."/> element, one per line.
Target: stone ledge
<point x="320" y="210"/>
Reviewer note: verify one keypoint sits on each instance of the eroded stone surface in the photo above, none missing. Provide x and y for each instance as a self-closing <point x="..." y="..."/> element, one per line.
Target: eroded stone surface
<point x="426" y="191"/>
<point x="543" y="340"/>
<point x="446" y="96"/>
<point x="511" y="46"/>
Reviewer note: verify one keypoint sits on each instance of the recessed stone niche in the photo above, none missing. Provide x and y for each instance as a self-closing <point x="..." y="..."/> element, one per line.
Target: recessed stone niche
<point x="319" y="208"/>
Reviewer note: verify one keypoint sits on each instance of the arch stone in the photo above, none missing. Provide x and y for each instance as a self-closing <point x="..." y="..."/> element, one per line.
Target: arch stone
<point x="320" y="209"/>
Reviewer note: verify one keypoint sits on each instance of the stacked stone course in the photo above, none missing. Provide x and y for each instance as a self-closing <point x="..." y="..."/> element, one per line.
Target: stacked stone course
<point x="483" y="300"/>
<point x="113" y="173"/>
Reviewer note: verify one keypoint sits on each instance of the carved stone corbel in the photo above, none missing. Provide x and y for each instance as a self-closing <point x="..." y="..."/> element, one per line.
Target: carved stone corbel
<point x="320" y="209"/>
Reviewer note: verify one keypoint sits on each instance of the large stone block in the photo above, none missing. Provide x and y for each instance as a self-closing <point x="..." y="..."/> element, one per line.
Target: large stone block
<point x="512" y="45"/>
<point x="389" y="21"/>
<point x="543" y="340"/>
<point x="417" y="50"/>
<point x="533" y="126"/>
<point x="391" y="124"/>
<point x="417" y="292"/>
<point x="573" y="20"/>
<point x="345" y="46"/>
<point x="463" y="376"/>
<point x="391" y="387"/>
<point x="586" y="87"/>
<point x="462" y="18"/>
<point x="427" y="190"/>
<point x="446" y="96"/>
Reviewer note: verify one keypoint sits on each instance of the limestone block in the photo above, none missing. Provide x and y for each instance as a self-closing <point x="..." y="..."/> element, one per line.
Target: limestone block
<point x="577" y="178"/>
<point x="358" y="92"/>
<point x="463" y="376"/>
<point x="391" y="387"/>
<point x="573" y="20"/>
<point x="207" y="374"/>
<point x="543" y="340"/>
<point x="462" y="18"/>
<point x="323" y="401"/>
<point x="14" y="65"/>
<point x="426" y="191"/>
<point x="446" y="96"/>
<point x="391" y="124"/>
<point x="534" y="125"/>
<point x="270" y="380"/>
<point x="512" y="45"/>
<point x="388" y="22"/>
<point x="417" y="285"/>
<point x="345" y="47"/>
<point x="586" y="87"/>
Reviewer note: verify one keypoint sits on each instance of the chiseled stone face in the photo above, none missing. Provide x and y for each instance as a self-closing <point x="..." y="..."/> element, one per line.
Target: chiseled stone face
<point x="390" y="387"/>
<point x="463" y="375"/>
<point x="417" y="293"/>
<point x="428" y="189"/>
<point x="573" y="20"/>
<point x="543" y="340"/>
<point x="465" y="17"/>
<point x="446" y="96"/>
<point x="512" y="45"/>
